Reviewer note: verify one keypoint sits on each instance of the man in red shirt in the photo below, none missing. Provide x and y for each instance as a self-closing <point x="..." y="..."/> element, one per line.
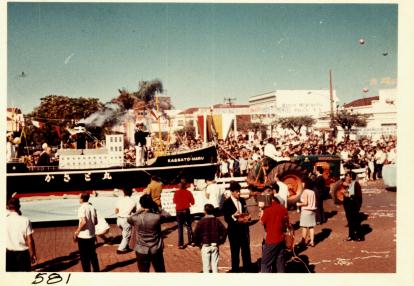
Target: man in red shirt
<point x="183" y="200"/>
<point x="275" y="219"/>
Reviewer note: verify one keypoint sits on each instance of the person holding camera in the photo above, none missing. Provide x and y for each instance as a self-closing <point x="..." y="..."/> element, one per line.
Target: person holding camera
<point x="149" y="243"/>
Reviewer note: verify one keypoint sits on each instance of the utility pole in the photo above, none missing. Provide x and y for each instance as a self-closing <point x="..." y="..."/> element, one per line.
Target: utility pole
<point x="332" y="125"/>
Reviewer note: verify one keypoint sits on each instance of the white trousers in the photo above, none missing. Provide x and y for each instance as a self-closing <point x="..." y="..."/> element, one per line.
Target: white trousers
<point x="139" y="155"/>
<point x="126" y="232"/>
<point x="210" y="257"/>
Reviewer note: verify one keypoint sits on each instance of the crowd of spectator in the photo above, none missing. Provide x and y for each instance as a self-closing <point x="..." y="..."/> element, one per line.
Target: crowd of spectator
<point x="236" y="156"/>
<point x="239" y="155"/>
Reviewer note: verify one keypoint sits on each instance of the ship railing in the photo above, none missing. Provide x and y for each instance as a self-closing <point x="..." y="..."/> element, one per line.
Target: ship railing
<point x="43" y="168"/>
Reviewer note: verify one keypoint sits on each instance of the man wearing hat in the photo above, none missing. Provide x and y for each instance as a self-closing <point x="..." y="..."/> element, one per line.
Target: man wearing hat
<point x="237" y="219"/>
<point x="20" y="246"/>
<point x="140" y="137"/>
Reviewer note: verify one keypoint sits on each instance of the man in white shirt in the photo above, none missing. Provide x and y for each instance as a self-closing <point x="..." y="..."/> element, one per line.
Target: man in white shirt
<point x="85" y="234"/>
<point x="224" y="168"/>
<point x="213" y="194"/>
<point x="379" y="160"/>
<point x="125" y="206"/>
<point x="344" y="154"/>
<point x="256" y="155"/>
<point x="243" y="163"/>
<point x="20" y="246"/>
<point x="270" y="149"/>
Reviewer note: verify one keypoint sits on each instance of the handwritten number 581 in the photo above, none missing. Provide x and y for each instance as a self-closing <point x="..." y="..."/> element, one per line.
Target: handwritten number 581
<point x="51" y="278"/>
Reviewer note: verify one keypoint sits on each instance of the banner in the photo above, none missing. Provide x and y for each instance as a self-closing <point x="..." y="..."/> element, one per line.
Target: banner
<point x="200" y="121"/>
<point x="227" y="124"/>
<point x="217" y="123"/>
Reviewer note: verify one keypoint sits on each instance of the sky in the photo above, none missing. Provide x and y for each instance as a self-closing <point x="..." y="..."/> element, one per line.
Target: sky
<point x="202" y="53"/>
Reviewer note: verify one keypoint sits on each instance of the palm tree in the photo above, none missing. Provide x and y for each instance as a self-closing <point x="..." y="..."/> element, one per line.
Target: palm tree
<point x="147" y="91"/>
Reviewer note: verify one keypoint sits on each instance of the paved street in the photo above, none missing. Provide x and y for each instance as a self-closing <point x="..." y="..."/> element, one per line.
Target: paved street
<point x="377" y="254"/>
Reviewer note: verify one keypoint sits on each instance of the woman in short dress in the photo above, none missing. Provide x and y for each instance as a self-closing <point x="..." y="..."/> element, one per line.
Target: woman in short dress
<point x="307" y="203"/>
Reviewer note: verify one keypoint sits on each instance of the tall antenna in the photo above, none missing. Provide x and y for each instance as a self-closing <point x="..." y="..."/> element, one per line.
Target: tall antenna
<point x="229" y="100"/>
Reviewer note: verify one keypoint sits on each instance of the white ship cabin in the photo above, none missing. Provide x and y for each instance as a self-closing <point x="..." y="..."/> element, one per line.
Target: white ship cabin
<point x="111" y="155"/>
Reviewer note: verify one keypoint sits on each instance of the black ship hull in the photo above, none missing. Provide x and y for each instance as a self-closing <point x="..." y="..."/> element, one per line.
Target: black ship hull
<point x="195" y="164"/>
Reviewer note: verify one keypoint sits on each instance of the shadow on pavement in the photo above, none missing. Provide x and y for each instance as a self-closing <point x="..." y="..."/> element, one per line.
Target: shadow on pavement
<point x="168" y="230"/>
<point x="322" y="235"/>
<point x="111" y="267"/>
<point x="330" y="214"/>
<point x="110" y="240"/>
<point x="363" y="216"/>
<point x="365" y="229"/>
<point x="59" y="263"/>
<point x="298" y="264"/>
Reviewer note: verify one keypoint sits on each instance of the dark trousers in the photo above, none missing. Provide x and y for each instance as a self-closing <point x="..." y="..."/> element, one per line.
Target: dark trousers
<point x="88" y="255"/>
<point x="144" y="261"/>
<point x="320" y="212"/>
<point x="273" y="259"/>
<point x="239" y="239"/>
<point x="18" y="261"/>
<point x="377" y="171"/>
<point x="184" y="218"/>
<point x="352" y="216"/>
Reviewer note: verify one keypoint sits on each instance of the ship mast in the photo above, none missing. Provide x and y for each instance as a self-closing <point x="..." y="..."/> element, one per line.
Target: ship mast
<point x="161" y="144"/>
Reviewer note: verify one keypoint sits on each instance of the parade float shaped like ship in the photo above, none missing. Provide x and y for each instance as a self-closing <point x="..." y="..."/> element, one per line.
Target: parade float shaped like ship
<point x="104" y="169"/>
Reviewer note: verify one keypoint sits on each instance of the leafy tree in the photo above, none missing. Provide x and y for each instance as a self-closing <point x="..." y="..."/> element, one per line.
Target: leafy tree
<point x="295" y="123"/>
<point x="56" y="112"/>
<point x="347" y="119"/>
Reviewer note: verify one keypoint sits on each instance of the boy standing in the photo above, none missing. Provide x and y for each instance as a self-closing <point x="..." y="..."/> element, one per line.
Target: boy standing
<point x="209" y="234"/>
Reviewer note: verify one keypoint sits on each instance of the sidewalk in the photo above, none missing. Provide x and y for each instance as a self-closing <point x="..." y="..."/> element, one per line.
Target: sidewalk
<point x="377" y="254"/>
<point x="57" y="252"/>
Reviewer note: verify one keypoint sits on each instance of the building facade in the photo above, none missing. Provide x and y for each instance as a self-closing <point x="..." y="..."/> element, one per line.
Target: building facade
<point x="266" y="108"/>
<point x="381" y="111"/>
<point x="15" y="119"/>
